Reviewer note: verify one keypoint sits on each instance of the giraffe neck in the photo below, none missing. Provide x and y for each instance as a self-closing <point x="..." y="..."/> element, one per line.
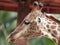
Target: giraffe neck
<point x="51" y="28"/>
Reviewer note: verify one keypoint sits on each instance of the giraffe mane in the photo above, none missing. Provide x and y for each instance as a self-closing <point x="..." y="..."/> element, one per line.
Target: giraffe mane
<point x="53" y="18"/>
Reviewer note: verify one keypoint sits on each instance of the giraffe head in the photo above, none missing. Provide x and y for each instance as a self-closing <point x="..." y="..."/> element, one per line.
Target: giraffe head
<point x="28" y="25"/>
<point x="35" y="24"/>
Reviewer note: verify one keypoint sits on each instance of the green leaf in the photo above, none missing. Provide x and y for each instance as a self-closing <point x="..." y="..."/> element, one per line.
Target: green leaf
<point x="41" y="40"/>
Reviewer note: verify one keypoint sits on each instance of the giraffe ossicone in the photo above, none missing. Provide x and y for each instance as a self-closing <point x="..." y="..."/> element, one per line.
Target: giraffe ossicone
<point x="37" y="24"/>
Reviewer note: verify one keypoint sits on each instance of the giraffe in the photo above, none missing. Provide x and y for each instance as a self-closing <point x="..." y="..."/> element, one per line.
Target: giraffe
<point x="37" y="23"/>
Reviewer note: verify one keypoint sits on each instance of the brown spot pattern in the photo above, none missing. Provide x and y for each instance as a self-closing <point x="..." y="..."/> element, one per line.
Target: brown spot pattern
<point x="54" y="40"/>
<point x="49" y="30"/>
<point x="47" y="26"/>
<point x="54" y="32"/>
<point x="58" y="28"/>
<point x="53" y="26"/>
<point x="54" y="23"/>
<point x="32" y="30"/>
<point x="46" y="35"/>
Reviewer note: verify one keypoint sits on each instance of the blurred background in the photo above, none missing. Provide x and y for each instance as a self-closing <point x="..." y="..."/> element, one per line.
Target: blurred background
<point x="8" y="23"/>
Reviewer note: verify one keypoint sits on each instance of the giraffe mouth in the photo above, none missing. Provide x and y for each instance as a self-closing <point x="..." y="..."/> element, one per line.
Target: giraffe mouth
<point x="9" y="39"/>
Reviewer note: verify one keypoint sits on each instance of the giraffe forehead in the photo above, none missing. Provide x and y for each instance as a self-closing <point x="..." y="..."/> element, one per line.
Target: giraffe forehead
<point x="32" y="15"/>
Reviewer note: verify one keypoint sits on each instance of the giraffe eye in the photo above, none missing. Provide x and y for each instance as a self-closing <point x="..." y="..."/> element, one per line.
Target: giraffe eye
<point x="39" y="20"/>
<point x="35" y="3"/>
<point x="26" y="22"/>
<point x="40" y="4"/>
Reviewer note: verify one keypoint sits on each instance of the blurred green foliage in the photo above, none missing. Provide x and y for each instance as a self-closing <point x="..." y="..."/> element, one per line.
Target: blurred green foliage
<point x="57" y="16"/>
<point x="8" y="24"/>
<point x="40" y="40"/>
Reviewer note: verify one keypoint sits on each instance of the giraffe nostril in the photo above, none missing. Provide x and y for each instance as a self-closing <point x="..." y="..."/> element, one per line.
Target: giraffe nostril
<point x="12" y="40"/>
